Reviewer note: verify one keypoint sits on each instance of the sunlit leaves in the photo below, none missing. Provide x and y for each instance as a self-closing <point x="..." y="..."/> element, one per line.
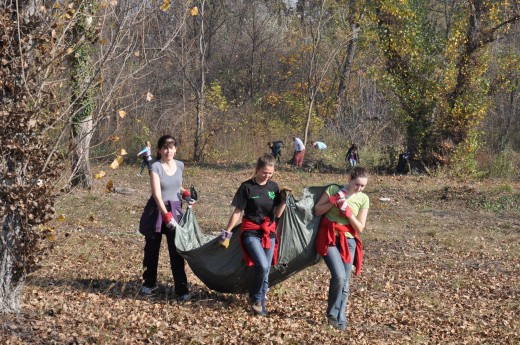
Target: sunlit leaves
<point x="121" y="114"/>
<point x="123" y="152"/>
<point x="165" y="5"/>
<point x="149" y="96"/>
<point x="117" y="162"/>
<point x="194" y="11"/>
<point x="100" y="175"/>
<point x="109" y="186"/>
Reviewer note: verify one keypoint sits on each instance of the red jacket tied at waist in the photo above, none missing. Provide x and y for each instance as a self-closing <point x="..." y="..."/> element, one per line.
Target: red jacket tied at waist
<point x="327" y="237"/>
<point x="266" y="227"/>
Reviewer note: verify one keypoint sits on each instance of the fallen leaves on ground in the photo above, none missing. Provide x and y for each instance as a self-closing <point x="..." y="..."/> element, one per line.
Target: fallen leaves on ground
<point x="436" y="271"/>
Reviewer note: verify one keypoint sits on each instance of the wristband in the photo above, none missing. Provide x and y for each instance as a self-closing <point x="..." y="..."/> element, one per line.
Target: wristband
<point x="186" y="194"/>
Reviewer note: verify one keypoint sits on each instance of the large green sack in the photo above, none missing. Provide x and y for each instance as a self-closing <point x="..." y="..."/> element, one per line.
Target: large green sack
<point x="224" y="270"/>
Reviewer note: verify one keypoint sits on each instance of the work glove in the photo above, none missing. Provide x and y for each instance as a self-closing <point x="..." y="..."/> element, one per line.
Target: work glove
<point x="333" y="199"/>
<point x="284" y="191"/>
<point x="224" y="238"/>
<point x="186" y="196"/>
<point x="344" y="209"/>
<point x="170" y="222"/>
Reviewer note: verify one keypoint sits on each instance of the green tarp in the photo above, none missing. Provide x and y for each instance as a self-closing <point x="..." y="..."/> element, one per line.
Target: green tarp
<point x="224" y="270"/>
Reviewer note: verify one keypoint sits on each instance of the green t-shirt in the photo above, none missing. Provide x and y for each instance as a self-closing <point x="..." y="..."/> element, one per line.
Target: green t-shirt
<point x="356" y="203"/>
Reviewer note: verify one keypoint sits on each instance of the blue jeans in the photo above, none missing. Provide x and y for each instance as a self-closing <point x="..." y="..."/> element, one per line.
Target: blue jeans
<point x="339" y="283"/>
<point x="262" y="259"/>
<point x="352" y="162"/>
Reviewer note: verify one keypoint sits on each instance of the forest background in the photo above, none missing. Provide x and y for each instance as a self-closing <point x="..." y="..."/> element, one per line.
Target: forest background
<point x="88" y="82"/>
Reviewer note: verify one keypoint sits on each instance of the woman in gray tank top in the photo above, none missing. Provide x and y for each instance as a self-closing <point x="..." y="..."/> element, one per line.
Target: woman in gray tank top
<point x="160" y="216"/>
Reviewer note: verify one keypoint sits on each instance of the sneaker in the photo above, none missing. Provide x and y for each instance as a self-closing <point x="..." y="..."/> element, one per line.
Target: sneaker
<point x="257" y="308"/>
<point x="184" y="298"/>
<point x="147" y="291"/>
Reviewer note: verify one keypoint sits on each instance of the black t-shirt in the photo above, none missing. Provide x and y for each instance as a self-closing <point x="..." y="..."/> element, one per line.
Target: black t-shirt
<point x="257" y="201"/>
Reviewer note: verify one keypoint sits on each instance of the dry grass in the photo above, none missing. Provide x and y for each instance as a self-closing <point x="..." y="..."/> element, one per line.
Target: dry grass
<point x="441" y="266"/>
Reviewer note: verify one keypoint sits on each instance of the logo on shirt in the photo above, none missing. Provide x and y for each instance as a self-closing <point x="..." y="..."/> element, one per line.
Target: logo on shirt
<point x="271" y="195"/>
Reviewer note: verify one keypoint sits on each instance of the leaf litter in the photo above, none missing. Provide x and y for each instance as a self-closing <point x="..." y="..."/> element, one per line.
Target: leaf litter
<point x="437" y="269"/>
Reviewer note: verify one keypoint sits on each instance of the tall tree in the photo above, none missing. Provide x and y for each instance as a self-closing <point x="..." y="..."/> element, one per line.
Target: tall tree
<point x="439" y="75"/>
<point x="83" y="93"/>
<point x="28" y="170"/>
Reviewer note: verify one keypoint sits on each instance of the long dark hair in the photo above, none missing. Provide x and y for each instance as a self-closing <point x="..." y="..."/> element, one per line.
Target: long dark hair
<point x="162" y="142"/>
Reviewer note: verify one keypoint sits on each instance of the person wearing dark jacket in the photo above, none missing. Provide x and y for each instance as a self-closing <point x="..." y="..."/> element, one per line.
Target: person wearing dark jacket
<point x="344" y="211"/>
<point x="352" y="156"/>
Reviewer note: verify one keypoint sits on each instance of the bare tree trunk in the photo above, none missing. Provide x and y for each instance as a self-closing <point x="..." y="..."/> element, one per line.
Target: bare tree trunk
<point x="345" y="69"/>
<point x="199" y="129"/>
<point x="12" y="282"/>
<point x="81" y="175"/>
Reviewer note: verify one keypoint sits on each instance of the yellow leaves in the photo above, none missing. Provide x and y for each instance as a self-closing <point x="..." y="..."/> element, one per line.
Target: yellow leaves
<point x="165" y="5"/>
<point x="194" y="11"/>
<point x="115" y="138"/>
<point x="149" y="96"/>
<point x="123" y="152"/>
<point x="122" y="113"/>
<point x="117" y="162"/>
<point x="136" y="53"/>
<point x="100" y="175"/>
<point x="109" y="186"/>
<point x="103" y="41"/>
<point x="47" y="232"/>
<point x="61" y="218"/>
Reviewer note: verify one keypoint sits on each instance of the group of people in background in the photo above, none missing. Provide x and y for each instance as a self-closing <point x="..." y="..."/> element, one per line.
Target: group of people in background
<point x="258" y="204"/>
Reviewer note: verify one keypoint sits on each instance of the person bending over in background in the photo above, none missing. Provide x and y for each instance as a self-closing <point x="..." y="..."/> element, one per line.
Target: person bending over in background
<point x="345" y="211"/>
<point x="160" y="216"/>
<point x="276" y="149"/>
<point x="261" y="202"/>
<point x="319" y="145"/>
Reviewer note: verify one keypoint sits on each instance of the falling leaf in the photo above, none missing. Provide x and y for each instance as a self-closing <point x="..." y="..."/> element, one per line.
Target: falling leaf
<point x="115" y="138"/>
<point x="61" y="217"/>
<point x="117" y="161"/>
<point x="149" y="96"/>
<point x="194" y="11"/>
<point x="123" y="152"/>
<point x="165" y="5"/>
<point x="100" y="175"/>
<point x="122" y="114"/>
<point x="109" y="186"/>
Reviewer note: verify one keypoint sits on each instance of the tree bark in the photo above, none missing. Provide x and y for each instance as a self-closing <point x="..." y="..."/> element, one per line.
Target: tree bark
<point x="12" y="282"/>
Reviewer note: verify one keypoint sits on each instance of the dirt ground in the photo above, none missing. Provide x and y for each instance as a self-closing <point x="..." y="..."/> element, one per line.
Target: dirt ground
<point x="441" y="266"/>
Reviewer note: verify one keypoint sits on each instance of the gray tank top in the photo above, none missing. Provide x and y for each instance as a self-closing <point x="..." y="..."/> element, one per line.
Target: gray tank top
<point x="170" y="185"/>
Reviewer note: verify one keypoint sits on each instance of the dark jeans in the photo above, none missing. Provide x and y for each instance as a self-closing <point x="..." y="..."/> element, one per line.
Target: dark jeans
<point x="144" y="163"/>
<point x="151" y="261"/>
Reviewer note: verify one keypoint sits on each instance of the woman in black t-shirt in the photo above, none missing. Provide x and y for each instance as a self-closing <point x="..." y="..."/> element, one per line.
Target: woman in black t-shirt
<point x="260" y="201"/>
